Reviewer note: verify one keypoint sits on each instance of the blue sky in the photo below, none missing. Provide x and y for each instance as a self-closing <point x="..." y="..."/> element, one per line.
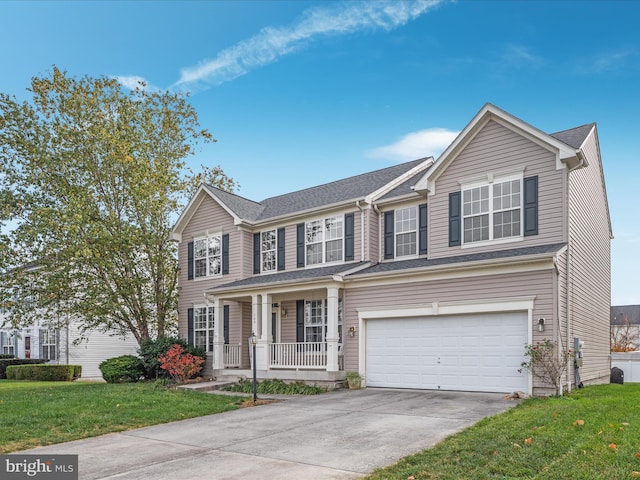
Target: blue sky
<point x="301" y="93"/>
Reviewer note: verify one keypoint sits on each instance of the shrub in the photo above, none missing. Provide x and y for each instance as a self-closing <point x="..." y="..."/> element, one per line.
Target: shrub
<point x="4" y="363"/>
<point x="276" y="386"/>
<point x="44" y="372"/>
<point x="546" y="363"/>
<point x="4" y="356"/>
<point x="150" y="351"/>
<point x="122" y="369"/>
<point x="180" y="364"/>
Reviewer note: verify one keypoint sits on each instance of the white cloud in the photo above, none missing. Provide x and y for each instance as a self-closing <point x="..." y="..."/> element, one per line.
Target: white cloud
<point x="424" y="143"/>
<point x="131" y="81"/>
<point x="271" y="43"/>
<point x="520" y="55"/>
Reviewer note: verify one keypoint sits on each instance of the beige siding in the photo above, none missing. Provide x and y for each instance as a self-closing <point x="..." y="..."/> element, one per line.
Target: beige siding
<point x="590" y="265"/>
<point x="538" y="283"/>
<point x="496" y="148"/>
<point x="374" y="235"/>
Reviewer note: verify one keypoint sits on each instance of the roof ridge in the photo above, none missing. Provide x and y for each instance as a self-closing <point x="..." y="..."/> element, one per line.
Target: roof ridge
<point x="574" y="128"/>
<point x="232" y="193"/>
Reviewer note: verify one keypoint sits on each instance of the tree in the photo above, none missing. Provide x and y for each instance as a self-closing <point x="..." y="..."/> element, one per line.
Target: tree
<point x="92" y="178"/>
<point x="624" y="337"/>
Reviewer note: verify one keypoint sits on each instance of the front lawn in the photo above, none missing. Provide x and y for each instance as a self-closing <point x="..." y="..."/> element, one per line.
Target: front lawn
<point x="591" y="434"/>
<point x="44" y="413"/>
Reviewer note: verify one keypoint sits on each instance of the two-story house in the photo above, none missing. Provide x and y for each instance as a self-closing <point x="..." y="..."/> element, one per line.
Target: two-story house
<point x="427" y="275"/>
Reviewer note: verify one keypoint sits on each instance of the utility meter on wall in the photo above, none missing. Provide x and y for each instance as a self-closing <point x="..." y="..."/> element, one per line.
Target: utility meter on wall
<point x="578" y="345"/>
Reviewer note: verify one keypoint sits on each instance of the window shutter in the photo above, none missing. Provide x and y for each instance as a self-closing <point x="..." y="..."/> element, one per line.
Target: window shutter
<point x="388" y="234"/>
<point x="40" y="343"/>
<point x="256" y="253"/>
<point x="422" y="229"/>
<point x="531" y="206"/>
<point x="300" y="321"/>
<point x="300" y="245"/>
<point x="190" y="326"/>
<point x="281" y="257"/>
<point x="348" y="237"/>
<point x="190" y="261"/>
<point x="15" y="345"/>
<point x="226" y="324"/>
<point x="455" y="220"/>
<point x="56" y="349"/>
<point x="225" y="254"/>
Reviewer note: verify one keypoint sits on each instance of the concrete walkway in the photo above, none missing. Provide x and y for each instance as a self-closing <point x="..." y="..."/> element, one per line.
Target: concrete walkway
<point x="340" y="435"/>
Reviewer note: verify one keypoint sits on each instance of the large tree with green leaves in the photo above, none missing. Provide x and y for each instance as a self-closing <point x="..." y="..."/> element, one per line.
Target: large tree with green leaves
<point x="92" y="176"/>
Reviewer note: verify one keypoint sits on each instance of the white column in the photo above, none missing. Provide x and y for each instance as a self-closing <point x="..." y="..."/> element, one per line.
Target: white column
<point x="256" y="315"/>
<point x="218" y="334"/>
<point x="332" y="329"/>
<point x="262" y="347"/>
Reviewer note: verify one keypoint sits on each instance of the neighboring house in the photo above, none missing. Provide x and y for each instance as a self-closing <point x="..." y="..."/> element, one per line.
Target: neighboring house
<point x="425" y="275"/>
<point x="625" y="324"/>
<point x="56" y="345"/>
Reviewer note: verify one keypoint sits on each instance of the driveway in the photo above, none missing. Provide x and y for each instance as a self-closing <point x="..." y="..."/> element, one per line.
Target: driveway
<point x="340" y="435"/>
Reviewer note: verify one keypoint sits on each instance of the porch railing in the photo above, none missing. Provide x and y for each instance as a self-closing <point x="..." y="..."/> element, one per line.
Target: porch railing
<point x="308" y="355"/>
<point x="232" y="355"/>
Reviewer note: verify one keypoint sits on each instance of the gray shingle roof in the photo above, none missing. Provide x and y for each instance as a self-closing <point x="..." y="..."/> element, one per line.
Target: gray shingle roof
<point x="342" y="190"/>
<point x="574" y="137"/>
<point x="473" y="257"/>
<point x="622" y="313"/>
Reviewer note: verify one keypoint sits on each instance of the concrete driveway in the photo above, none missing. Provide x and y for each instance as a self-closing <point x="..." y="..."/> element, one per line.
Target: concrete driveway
<point x="340" y="435"/>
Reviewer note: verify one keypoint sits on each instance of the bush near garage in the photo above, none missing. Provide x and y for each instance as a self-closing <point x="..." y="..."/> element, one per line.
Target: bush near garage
<point x="122" y="369"/>
<point x="44" y="372"/>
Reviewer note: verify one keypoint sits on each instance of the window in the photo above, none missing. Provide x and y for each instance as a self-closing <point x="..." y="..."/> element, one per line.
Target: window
<point x="493" y="211"/>
<point x="406" y="231"/>
<point x="203" y="327"/>
<point x="7" y="343"/>
<point x="48" y="345"/>
<point x="207" y="256"/>
<point x="268" y="251"/>
<point x="315" y="320"/>
<point x="324" y="240"/>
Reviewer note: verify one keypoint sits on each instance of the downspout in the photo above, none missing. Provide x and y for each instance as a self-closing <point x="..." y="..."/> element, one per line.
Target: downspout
<point x="380" y="234"/>
<point x="362" y="235"/>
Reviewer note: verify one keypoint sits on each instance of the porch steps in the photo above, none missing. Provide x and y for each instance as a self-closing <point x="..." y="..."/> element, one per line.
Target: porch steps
<point x="218" y="383"/>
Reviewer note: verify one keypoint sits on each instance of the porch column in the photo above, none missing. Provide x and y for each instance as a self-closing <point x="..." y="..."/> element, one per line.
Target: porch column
<point x="256" y="315"/>
<point x="332" y="329"/>
<point x="262" y="347"/>
<point x="218" y="334"/>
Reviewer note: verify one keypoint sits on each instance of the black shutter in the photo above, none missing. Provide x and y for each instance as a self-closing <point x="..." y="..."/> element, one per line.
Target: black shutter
<point x="190" y="261"/>
<point x="190" y="326"/>
<point x="300" y="245"/>
<point x="256" y="253"/>
<point x="226" y="324"/>
<point x="225" y="254"/>
<point x="455" y="220"/>
<point x="531" y="206"/>
<point x="300" y="321"/>
<point x="348" y="237"/>
<point x="388" y="234"/>
<point x="281" y="258"/>
<point x="422" y="229"/>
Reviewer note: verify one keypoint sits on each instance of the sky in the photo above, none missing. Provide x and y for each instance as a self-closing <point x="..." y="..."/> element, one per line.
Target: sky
<point x="300" y="93"/>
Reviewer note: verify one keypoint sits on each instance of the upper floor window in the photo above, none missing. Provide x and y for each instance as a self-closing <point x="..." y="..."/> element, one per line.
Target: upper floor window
<point x="203" y="327"/>
<point x="492" y="211"/>
<point x="207" y="256"/>
<point x="406" y="231"/>
<point x="324" y="240"/>
<point x="268" y="251"/>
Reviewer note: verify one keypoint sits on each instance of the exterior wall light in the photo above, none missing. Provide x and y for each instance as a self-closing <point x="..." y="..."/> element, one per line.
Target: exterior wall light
<point x="352" y="331"/>
<point x="541" y="324"/>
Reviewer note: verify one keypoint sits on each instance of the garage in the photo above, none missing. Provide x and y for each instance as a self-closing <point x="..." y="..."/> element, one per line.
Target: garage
<point x="470" y="352"/>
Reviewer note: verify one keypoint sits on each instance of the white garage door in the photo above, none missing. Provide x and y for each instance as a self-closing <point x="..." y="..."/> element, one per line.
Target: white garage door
<point x="479" y="352"/>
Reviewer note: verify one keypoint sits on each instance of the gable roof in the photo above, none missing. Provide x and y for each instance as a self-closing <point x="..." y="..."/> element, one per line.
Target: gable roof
<point x="565" y="153"/>
<point x="574" y="137"/>
<point x="364" y="187"/>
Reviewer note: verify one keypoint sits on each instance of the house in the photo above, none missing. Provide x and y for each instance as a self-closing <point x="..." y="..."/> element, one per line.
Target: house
<point x="625" y="327"/>
<point x="65" y="344"/>
<point x="425" y="275"/>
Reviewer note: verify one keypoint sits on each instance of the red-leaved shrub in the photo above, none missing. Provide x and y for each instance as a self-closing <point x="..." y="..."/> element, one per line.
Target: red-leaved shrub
<point x="180" y="365"/>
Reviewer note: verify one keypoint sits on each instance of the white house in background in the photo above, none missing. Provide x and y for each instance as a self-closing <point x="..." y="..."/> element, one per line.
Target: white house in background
<point x="57" y="346"/>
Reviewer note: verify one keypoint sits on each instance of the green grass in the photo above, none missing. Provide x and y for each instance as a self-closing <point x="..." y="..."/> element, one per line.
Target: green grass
<point x="604" y="447"/>
<point x="44" y="413"/>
